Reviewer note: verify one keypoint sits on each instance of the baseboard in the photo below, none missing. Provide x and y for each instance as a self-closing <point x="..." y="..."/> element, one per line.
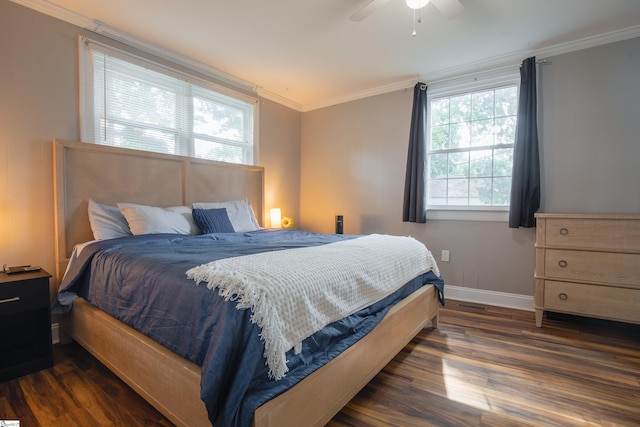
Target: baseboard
<point x="481" y="296"/>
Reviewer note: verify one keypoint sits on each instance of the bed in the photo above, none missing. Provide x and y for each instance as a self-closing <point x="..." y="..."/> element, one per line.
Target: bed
<point x="168" y="381"/>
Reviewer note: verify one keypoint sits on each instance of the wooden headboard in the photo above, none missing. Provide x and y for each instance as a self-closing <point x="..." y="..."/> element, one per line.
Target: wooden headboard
<point x="110" y="175"/>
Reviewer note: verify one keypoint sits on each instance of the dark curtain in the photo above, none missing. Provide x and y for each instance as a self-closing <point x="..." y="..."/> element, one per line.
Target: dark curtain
<point x="525" y="184"/>
<point x="414" y="207"/>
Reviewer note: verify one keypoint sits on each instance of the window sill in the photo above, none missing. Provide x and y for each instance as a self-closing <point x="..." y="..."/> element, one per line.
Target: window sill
<point x="468" y="215"/>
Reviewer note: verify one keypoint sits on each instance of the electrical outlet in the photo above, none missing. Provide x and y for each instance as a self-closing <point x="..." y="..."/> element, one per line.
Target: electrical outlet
<point x="445" y="255"/>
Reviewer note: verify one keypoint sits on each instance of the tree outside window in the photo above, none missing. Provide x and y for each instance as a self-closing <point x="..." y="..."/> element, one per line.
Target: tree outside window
<point x="470" y="148"/>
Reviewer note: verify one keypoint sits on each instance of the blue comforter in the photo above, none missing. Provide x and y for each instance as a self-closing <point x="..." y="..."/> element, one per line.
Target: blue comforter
<point x="141" y="281"/>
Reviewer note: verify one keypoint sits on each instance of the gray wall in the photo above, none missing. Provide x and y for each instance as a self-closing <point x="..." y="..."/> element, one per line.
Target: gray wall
<point x="354" y="155"/>
<point x="590" y="130"/>
<point x="39" y="102"/>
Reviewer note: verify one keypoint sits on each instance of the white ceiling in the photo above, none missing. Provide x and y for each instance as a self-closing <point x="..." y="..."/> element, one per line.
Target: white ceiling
<point x="308" y="54"/>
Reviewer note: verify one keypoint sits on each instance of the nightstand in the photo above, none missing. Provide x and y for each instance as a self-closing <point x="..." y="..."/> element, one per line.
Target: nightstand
<point x="25" y="324"/>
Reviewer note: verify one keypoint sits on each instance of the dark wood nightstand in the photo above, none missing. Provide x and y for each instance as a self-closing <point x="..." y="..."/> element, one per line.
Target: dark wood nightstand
<point x="25" y="324"/>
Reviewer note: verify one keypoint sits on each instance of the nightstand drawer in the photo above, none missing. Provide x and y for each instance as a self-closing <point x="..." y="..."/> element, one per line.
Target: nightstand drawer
<point x="21" y="296"/>
<point x="598" y="301"/>
<point x="600" y="267"/>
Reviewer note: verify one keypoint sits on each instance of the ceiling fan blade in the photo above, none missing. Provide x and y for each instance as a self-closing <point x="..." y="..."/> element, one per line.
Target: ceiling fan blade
<point x="366" y="8"/>
<point x="449" y="8"/>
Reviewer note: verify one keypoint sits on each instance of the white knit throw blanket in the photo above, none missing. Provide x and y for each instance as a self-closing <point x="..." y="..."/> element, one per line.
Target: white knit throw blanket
<point x="296" y="292"/>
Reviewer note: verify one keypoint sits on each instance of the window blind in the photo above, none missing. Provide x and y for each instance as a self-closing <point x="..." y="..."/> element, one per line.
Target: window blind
<point x="136" y="104"/>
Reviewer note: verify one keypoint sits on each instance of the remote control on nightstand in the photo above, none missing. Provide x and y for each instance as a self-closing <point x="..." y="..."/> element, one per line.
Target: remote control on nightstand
<point x="21" y="269"/>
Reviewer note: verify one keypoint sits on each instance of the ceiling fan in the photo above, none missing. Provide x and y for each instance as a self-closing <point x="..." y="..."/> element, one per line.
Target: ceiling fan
<point x="449" y="8"/>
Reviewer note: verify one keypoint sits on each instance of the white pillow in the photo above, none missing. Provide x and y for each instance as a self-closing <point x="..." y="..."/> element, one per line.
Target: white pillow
<point x="153" y="220"/>
<point x="240" y="213"/>
<point x="106" y="221"/>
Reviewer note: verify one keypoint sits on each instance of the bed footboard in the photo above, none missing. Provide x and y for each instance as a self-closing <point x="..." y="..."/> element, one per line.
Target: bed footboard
<point x="172" y="384"/>
<point x="325" y="392"/>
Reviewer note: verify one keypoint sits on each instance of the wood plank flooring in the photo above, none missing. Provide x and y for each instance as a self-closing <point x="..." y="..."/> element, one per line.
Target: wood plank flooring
<point x="488" y="366"/>
<point x="483" y="366"/>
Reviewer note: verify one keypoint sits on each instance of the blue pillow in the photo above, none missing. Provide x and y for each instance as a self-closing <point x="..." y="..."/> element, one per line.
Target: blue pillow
<point x="212" y="220"/>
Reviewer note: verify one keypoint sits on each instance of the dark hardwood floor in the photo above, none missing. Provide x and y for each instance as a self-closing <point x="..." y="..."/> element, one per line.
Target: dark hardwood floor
<point x="484" y="366"/>
<point x="489" y="366"/>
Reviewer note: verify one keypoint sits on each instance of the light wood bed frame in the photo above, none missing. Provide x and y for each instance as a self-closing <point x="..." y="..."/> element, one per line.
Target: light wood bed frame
<point x="167" y="381"/>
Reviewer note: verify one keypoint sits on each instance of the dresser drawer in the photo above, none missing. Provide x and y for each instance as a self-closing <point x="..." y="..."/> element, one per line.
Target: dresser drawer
<point x="601" y="267"/>
<point x="589" y="300"/>
<point x="613" y="234"/>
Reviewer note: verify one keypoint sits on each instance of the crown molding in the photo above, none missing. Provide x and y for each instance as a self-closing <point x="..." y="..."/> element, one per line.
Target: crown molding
<point x="271" y="96"/>
<point x="380" y="90"/>
<point x="56" y="11"/>
<point x="589" y="42"/>
<point x="172" y="56"/>
<point x="507" y="61"/>
<point x="437" y="76"/>
<point x="128" y="39"/>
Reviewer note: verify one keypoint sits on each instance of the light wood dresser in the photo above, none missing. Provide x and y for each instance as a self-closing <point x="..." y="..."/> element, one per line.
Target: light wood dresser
<point x="588" y="265"/>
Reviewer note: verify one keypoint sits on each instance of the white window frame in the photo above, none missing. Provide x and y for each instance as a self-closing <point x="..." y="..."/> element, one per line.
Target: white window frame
<point x="87" y="106"/>
<point x="508" y="76"/>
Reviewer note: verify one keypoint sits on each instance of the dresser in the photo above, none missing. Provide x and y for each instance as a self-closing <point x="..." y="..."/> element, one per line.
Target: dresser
<point x="588" y="265"/>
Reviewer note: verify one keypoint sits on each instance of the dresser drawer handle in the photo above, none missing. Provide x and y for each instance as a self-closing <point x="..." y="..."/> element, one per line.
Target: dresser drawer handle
<point x="563" y="296"/>
<point x="562" y="263"/>
<point x="564" y="231"/>
<point x="14" y="299"/>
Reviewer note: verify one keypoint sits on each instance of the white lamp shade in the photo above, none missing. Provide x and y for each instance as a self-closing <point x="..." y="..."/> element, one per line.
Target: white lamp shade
<point x="276" y="218"/>
<point x="417" y="4"/>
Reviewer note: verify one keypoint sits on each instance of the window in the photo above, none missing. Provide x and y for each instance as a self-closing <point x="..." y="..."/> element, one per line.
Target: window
<point x="132" y="103"/>
<point x="470" y="148"/>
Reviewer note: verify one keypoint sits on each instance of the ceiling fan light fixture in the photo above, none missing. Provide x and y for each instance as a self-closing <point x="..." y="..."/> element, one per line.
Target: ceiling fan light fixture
<point x="416" y="4"/>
